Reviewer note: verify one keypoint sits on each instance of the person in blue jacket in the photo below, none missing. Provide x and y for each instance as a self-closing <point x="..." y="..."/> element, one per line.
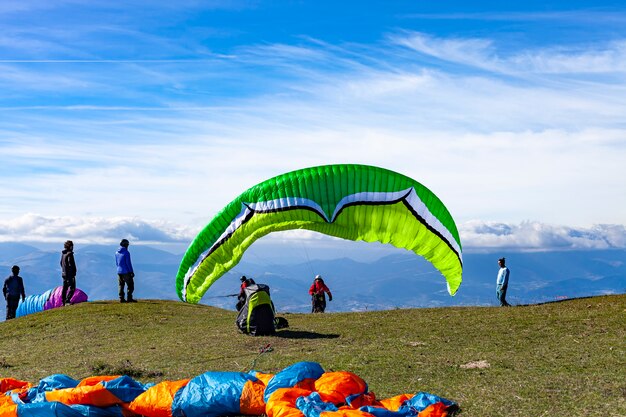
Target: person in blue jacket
<point x="502" y="283"/>
<point x="12" y="290"/>
<point x="125" y="272"/>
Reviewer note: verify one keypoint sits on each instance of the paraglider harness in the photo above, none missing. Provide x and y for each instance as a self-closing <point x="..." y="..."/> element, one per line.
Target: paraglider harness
<point x="318" y="302"/>
<point x="257" y="316"/>
<point x="318" y="298"/>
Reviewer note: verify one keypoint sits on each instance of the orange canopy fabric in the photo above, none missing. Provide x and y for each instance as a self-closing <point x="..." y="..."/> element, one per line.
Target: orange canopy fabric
<point x="157" y="400"/>
<point x="213" y="394"/>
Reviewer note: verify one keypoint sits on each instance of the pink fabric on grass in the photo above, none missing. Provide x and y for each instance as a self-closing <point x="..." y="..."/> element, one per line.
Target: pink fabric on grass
<point x="55" y="298"/>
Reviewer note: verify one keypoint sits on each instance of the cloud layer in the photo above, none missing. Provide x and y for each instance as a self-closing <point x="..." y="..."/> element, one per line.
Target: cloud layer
<point x="35" y="228"/>
<point x="535" y="236"/>
<point x="475" y="235"/>
<point x="127" y="116"/>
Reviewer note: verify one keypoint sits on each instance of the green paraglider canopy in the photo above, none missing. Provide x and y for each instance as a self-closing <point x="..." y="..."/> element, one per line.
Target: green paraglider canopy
<point x="354" y="202"/>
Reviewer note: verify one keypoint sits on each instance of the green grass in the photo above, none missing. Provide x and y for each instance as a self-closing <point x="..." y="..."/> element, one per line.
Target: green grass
<point x="565" y="359"/>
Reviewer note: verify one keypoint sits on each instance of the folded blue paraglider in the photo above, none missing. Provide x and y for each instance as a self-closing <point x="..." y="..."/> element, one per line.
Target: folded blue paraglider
<point x="48" y="300"/>
<point x="33" y="304"/>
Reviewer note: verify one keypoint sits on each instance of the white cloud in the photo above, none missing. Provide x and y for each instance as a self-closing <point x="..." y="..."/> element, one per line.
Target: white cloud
<point x="480" y="235"/>
<point x="35" y="228"/>
<point x="489" y="146"/>
<point x="476" y="236"/>
<point x="609" y="57"/>
<point x="475" y="52"/>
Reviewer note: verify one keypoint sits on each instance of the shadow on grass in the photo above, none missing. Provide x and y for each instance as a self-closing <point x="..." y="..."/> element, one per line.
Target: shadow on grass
<point x="559" y="300"/>
<point x="303" y="334"/>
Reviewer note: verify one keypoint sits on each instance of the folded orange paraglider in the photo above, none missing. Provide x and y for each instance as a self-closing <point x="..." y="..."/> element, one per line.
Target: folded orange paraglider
<point x="301" y="390"/>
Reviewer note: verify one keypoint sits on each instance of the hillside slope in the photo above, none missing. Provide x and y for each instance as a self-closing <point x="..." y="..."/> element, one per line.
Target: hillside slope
<point x="564" y="358"/>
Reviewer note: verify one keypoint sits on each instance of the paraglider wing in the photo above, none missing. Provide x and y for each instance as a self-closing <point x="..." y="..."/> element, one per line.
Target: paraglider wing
<point x="354" y="202"/>
<point x="48" y="300"/>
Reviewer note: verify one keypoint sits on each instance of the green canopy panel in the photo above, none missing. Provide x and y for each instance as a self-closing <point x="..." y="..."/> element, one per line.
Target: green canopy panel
<point x="354" y="202"/>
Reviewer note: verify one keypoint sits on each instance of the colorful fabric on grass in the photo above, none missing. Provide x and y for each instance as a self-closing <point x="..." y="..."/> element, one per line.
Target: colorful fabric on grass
<point x="301" y="390"/>
<point x="46" y="301"/>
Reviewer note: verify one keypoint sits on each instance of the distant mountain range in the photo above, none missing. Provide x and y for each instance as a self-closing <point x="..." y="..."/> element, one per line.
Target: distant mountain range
<point x="398" y="280"/>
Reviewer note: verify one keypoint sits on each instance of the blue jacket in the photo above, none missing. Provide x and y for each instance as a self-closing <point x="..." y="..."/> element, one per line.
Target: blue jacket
<point x="122" y="260"/>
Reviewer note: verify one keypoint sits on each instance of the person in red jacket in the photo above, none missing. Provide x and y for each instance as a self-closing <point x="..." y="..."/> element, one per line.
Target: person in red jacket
<point x="241" y="298"/>
<point x="318" y="298"/>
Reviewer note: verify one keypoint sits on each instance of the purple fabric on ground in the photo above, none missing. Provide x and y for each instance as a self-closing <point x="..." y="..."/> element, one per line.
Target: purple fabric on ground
<point x="55" y="298"/>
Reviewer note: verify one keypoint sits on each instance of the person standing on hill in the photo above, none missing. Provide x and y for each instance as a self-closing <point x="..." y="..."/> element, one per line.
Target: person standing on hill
<point x="125" y="272"/>
<point x="318" y="296"/>
<point x="12" y="290"/>
<point x="502" y="282"/>
<point x="68" y="268"/>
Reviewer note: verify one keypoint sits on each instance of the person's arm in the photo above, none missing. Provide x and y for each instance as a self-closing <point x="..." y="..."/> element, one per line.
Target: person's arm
<point x="4" y="290"/>
<point x="73" y="264"/>
<point x="129" y="264"/>
<point x="23" y="293"/>
<point x="330" y="295"/>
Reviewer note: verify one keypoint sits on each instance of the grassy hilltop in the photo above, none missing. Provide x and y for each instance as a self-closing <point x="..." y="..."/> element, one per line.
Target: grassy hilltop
<point x="565" y="358"/>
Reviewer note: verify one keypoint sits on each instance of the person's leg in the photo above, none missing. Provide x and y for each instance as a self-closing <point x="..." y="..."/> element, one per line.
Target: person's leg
<point x="66" y="285"/>
<point x="499" y="295"/>
<point x="130" y="287"/>
<point x="14" y="303"/>
<point x="120" y="286"/>
<point x="70" y="290"/>
<point x="11" y="307"/>
<point x="503" y="301"/>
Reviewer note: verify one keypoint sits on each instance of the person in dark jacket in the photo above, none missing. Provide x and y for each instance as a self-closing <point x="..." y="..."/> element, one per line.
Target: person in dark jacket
<point x="12" y="290"/>
<point x="125" y="272"/>
<point x="318" y="293"/>
<point x="68" y="268"/>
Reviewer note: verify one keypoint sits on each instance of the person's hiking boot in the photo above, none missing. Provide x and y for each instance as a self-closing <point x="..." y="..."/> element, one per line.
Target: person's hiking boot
<point x="122" y="300"/>
<point x="131" y="300"/>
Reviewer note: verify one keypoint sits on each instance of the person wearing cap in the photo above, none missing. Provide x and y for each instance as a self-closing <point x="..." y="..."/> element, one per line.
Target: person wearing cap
<point x="241" y="298"/>
<point x="68" y="268"/>
<point x="12" y="290"/>
<point x="502" y="283"/>
<point x="125" y="272"/>
<point x="318" y="293"/>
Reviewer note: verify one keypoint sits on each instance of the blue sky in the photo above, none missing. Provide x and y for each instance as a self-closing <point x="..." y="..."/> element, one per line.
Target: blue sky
<point x="146" y="118"/>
